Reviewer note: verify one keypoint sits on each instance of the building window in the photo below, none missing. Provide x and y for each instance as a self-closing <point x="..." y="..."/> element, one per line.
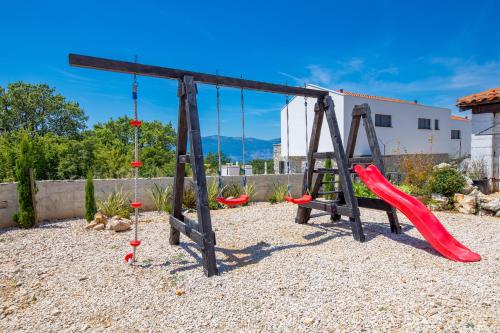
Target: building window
<point x="436" y="124"/>
<point x="456" y="135"/>
<point x="424" y="123"/>
<point x="282" y="167"/>
<point x="383" y="120"/>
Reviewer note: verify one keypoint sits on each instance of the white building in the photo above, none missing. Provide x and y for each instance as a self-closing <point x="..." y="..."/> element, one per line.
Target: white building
<point x="402" y="127"/>
<point x="485" y="151"/>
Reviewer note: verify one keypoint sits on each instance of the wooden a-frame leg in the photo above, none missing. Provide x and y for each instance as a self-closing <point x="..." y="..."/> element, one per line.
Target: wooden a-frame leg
<point x="343" y="170"/>
<point x="377" y="160"/>
<point x="178" y="188"/>
<point x="199" y="178"/>
<point x="303" y="213"/>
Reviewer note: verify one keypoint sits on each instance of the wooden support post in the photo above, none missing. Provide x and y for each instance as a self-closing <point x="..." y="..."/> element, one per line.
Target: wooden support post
<point x="178" y="190"/>
<point x="199" y="178"/>
<point x="343" y="169"/>
<point x="377" y="160"/>
<point x="303" y="213"/>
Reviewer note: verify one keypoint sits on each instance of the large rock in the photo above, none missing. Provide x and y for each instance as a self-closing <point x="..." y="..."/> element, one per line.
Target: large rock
<point x="469" y="186"/>
<point x="100" y="218"/>
<point x="99" y="226"/>
<point x="91" y="225"/>
<point x="118" y="224"/>
<point x="438" y="202"/>
<point x="465" y="204"/>
<point x="492" y="205"/>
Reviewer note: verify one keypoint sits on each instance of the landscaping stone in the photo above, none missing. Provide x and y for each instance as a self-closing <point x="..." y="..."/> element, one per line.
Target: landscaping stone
<point x="91" y="225"/>
<point x="100" y="218"/>
<point x="465" y="204"/>
<point x="438" y="202"/>
<point x="118" y="224"/>
<point x="492" y="206"/>
<point x="99" y="226"/>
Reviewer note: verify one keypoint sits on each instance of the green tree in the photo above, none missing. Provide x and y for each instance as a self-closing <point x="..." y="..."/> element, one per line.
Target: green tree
<point x="25" y="217"/>
<point x="90" y="205"/>
<point x="328" y="178"/>
<point x="212" y="162"/>
<point x="258" y="166"/>
<point x="39" y="109"/>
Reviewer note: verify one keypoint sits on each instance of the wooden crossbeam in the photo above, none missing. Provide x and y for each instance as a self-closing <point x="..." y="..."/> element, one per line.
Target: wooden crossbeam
<point x="78" y="60"/>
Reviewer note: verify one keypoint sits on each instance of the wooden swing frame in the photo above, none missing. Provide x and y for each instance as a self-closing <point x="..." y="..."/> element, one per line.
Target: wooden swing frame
<point x="188" y="127"/>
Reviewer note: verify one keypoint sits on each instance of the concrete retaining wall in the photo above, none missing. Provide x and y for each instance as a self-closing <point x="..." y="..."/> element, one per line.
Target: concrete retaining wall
<point x="59" y="199"/>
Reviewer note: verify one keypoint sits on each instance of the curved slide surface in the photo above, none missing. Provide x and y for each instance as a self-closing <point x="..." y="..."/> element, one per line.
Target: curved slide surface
<point x="421" y="217"/>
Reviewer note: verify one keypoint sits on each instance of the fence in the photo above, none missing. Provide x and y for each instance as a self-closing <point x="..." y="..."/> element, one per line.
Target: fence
<point x="60" y="199"/>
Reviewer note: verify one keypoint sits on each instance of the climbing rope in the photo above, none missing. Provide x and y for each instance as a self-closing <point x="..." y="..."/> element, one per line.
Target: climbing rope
<point x="136" y="204"/>
<point x="243" y="139"/>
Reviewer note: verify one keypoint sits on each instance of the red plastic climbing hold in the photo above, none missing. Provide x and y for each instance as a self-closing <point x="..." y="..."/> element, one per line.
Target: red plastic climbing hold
<point x="135" y="243"/>
<point x="135" y="123"/>
<point x="129" y="256"/>
<point x="234" y="201"/>
<point x="136" y="164"/>
<point x="302" y="200"/>
<point x="136" y="204"/>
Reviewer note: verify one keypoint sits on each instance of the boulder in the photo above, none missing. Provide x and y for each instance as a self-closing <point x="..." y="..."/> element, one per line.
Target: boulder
<point x="100" y="218"/>
<point x="465" y="204"/>
<point x="91" y="225"/>
<point x="469" y="186"/>
<point x="492" y="205"/>
<point x="118" y="224"/>
<point x="438" y="202"/>
<point x="99" y="226"/>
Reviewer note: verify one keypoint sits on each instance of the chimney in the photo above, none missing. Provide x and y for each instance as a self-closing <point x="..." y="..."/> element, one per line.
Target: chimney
<point x="415" y="101"/>
<point x="341" y="90"/>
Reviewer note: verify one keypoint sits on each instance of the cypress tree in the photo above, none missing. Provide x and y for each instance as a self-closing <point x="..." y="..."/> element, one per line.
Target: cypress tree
<point x="90" y="206"/>
<point x="328" y="178"/>
<point x="25" y="217"/>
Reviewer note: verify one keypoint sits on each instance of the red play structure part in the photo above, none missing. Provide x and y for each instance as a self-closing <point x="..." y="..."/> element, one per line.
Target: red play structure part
<point x="129" y="256"/>
<point x="135" y="123"/>
<point x="136" y="204"/>
<point x="135" y="243"/>
<point x="136" y="164"/>
<point x="421" y="217"/>
<point x="298" y="201"/>
<point x="242" y="199"/>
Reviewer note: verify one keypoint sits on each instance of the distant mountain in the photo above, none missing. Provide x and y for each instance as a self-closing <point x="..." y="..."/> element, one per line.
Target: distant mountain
<point x="231" y="147"/>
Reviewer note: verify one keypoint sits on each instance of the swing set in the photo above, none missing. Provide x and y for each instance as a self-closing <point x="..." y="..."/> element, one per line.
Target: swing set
<point x="344" y="204"/>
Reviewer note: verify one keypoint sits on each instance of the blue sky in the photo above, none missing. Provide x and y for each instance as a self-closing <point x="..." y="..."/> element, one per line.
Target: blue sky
<point x="432" y="51"/>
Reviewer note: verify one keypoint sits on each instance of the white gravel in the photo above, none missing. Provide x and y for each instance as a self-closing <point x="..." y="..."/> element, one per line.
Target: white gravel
<point x="276" y="276"/>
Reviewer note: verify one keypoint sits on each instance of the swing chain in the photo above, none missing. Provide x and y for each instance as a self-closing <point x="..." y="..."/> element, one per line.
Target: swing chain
<point x="306" y="167"/>
<point x="219" y="171"/>
<point x="289" y="187"/>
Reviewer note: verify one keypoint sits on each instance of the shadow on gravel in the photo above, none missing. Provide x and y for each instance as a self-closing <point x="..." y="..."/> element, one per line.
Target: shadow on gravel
<point x="237" y="258"/>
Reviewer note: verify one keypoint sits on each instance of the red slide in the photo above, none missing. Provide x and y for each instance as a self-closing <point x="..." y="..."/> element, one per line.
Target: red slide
<point x="421" y="217"/>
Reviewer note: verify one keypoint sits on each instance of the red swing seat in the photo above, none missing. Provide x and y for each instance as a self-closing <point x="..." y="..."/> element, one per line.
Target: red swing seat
<point x="299" y="201"/>
<point x="242" y="199"/>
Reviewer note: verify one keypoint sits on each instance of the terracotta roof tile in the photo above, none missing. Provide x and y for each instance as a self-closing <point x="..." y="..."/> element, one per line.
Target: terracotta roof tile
<point x="374" y="97"/>
<point x="459" y="118"/>
<point x="488" y="96"/>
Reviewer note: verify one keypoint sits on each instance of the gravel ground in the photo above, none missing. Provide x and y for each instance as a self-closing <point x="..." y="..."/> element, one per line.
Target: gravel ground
<point x="276" y="276"/>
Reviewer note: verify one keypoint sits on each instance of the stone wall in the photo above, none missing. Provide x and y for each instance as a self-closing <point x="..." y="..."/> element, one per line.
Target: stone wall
<point x="65" y="198"/>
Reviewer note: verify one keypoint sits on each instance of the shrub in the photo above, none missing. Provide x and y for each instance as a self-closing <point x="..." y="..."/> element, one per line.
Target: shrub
<point x="161" y="197"/>
<point x="117" y="203"/>
<point x="328" y="187"/>
<point x="278" y="193"/>
<point x="189" y="198"/>
<point x="25" y="217"/>
<point x="476" y="169"/>
<point x="417" y="168"/>
<point x="213" y="193"/>
<point x="446" y="181"/>
<point x="232" y="190"/>
<point x="251" y="190"/>
<point x="360" y="190"/>
<point x="90" y="205"/>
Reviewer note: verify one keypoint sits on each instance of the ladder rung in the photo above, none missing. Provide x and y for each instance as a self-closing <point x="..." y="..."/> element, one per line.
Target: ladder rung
<point x="329" y="171"/>
<point x="329" y="182"/>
